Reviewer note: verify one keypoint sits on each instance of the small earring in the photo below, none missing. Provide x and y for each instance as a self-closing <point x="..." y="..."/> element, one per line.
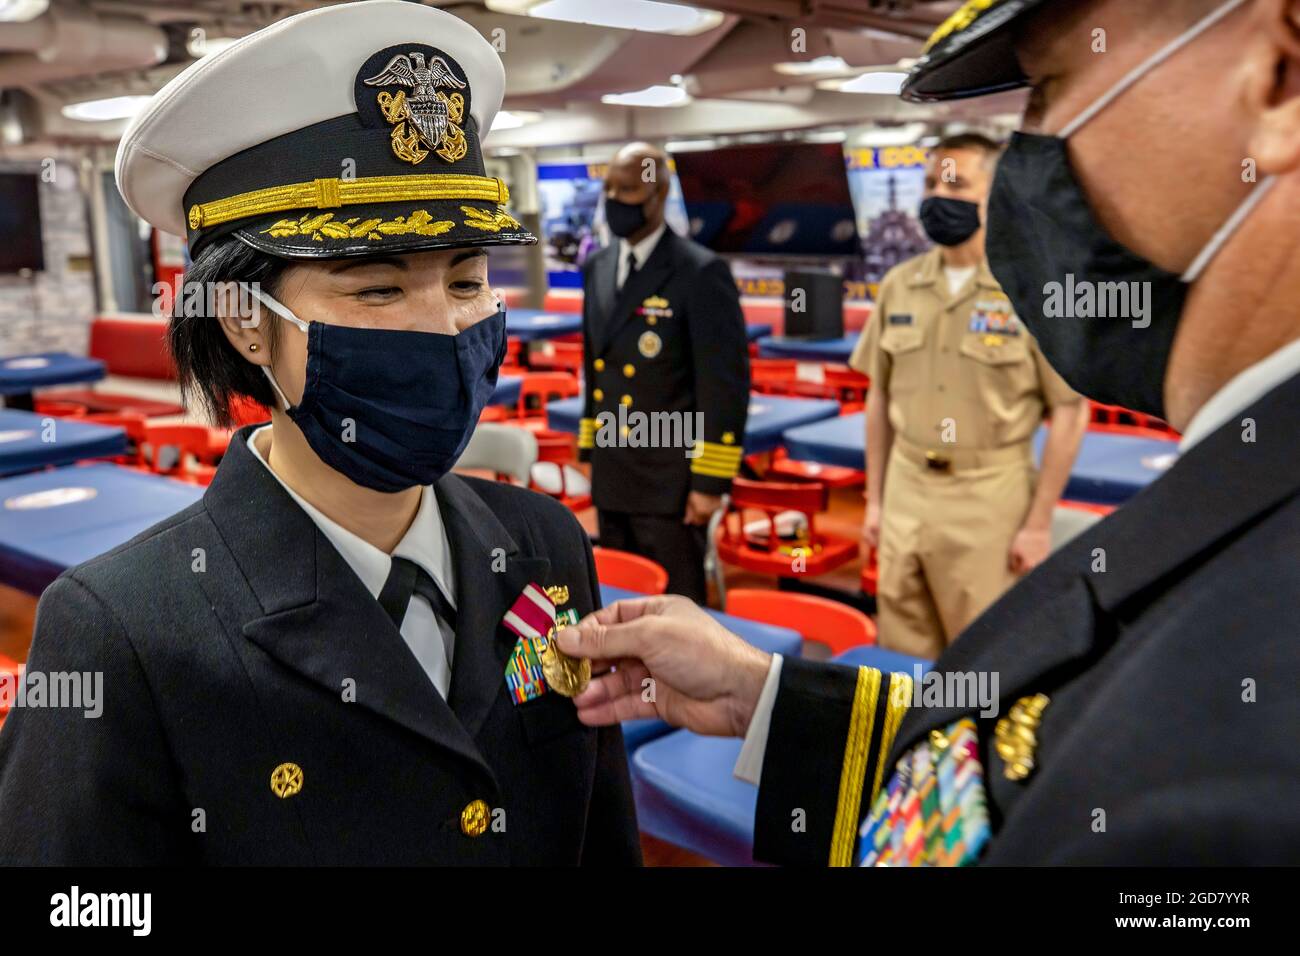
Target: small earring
<point x="253" y="347"/>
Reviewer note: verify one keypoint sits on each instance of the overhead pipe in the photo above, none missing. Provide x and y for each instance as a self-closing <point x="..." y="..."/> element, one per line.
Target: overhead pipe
<point x="65" y="44"/>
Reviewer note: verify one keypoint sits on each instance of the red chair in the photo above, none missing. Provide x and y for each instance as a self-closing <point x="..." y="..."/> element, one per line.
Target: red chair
<point x="847" y="385"/>
<point x="537" y="389"/>
<point x="819" y="619"/>
<point x="135" y="347"/>
<point x="770" y="551"/>
<point x="631" y="572"/>
<point x="772" y="376"/>
<point x="245" y="411"/>
<point x="1136" y="431"/>
<point x="196" y="451"/>
<point x="560" y="356"/>
<point x="1087" y="506"/>
<point x="1123" y="421"/>
<point x="553" y="472"/>
<point x="136" y="426"/>
<point x="58" y="408"/>
<point x="513" y="348"/>
<point x="785" y="468"/>
<point x="830" y="380"/>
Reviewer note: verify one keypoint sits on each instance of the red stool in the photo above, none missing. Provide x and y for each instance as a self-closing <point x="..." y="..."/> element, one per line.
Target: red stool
<point x="828" y="622"/>
<point x="631" y="572"/>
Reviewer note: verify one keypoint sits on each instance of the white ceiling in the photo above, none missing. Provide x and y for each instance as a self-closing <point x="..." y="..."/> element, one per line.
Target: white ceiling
<point x="89" y="49"/>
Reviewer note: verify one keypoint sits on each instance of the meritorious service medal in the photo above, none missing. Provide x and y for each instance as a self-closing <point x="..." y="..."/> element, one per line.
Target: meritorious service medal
<point x="567" y="676"/>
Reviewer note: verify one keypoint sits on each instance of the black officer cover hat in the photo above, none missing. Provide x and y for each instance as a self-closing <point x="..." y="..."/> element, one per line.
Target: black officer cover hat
<point x="971" y="53"/>
<point x="350" y="130"/>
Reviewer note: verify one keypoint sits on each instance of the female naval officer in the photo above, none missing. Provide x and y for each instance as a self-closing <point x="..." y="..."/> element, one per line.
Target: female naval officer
<point x="327" y="660"/>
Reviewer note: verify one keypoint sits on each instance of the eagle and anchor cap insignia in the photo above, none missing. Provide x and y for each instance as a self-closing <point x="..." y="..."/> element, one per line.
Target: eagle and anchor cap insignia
<point x="348" y="130"/>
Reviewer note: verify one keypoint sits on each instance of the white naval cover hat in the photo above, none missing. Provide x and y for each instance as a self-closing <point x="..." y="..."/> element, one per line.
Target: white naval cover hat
<point x="344" y="131"/>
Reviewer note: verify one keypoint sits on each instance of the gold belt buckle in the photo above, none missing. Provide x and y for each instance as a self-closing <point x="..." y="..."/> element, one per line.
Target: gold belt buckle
<point x="937" y="462"/>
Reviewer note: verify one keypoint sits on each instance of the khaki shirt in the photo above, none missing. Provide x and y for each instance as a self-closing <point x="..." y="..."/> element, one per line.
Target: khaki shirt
<point x="964" y="364"/>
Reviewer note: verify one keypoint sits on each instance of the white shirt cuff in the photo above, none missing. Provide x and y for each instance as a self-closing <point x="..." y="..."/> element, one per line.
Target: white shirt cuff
<point x="749" y="766"/>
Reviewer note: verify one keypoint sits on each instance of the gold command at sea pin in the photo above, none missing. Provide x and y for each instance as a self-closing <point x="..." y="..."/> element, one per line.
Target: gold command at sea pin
<point x="534" y="619"/>
<point x="1016" y="735"/>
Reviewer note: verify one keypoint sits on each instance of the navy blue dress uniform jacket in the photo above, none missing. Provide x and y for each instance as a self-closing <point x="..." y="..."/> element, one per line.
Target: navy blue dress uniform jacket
<point x="216" y="674"/>
<point x="671" y="340"/>
<point x="1170" y="736"/>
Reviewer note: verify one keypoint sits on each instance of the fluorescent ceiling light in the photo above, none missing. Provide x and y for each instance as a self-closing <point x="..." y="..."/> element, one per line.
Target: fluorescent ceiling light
<point x="647" y="15"/>
<point x="20" y="11"/>
<point x="884" y="83"/>
<point x="825" y="136"/>
<point x="513" y="119"/>
<point x="112" y="108"/>
<point x="650" y="96"/>
<point x="882" y="136"/>
<point x="690" y="145"/>
<point x="815" y="67"/>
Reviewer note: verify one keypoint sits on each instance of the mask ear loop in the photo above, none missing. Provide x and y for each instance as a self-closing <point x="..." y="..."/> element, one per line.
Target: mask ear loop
<point x="1146" y="66"/>
<point x="1220" y="238"/>
<point x="284" y="313"/>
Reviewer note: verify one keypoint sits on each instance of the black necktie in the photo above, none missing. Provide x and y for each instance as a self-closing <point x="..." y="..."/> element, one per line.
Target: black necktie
<point x="631" y="267"/>
<point x="407" y="578"/>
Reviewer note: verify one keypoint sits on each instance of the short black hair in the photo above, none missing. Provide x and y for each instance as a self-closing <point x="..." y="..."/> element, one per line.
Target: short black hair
<point x="971" y="140"/>
<point x="211" y="371"/>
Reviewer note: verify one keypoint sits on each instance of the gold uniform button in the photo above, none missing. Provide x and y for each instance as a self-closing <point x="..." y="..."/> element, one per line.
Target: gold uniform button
<point x="474" y="819"/>
<point x="286" y="780"/>
<point x="626" y="400"/>
<point x="629" y="370"/>
<point x="599" y="365"/>
<point x="598" y="395"/>
<point x="728" y="438"/>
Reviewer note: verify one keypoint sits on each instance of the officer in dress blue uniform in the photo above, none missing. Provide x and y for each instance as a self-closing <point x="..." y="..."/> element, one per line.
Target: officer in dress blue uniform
<point x="1145" y="707"/>
<point x="340" y="654"/>
<point x="663" y="341"/>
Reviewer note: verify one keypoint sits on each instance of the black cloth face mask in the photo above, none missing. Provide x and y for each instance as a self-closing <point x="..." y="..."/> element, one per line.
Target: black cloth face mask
<point x="392" y="408"/>
<point x="949" y="222"/>
<point x="624" y="218"/>
<point x="1103" y="316"/>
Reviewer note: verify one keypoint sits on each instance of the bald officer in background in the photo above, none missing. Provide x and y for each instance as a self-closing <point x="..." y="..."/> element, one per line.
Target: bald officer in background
<point x="958" y="388"/>
<point x="662" y="332"/>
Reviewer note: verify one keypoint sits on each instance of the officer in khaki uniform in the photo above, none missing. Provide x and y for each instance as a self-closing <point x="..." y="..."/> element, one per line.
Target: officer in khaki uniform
<point x="958" y="388"/>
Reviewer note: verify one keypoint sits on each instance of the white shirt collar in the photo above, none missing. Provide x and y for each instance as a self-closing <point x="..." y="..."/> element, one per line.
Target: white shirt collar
<point x="1242" y="391"/>
<point x="643" y="248"/>
<point x="425" y="541"/>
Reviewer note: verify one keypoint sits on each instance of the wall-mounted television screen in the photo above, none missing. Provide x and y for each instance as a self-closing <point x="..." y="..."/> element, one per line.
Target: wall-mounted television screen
<point x="773" y="199"/>
<point x="20" y="223"/>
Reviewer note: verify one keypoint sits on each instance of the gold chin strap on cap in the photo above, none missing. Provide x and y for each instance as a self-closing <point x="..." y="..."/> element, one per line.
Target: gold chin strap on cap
<point x="336" y="193"/>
